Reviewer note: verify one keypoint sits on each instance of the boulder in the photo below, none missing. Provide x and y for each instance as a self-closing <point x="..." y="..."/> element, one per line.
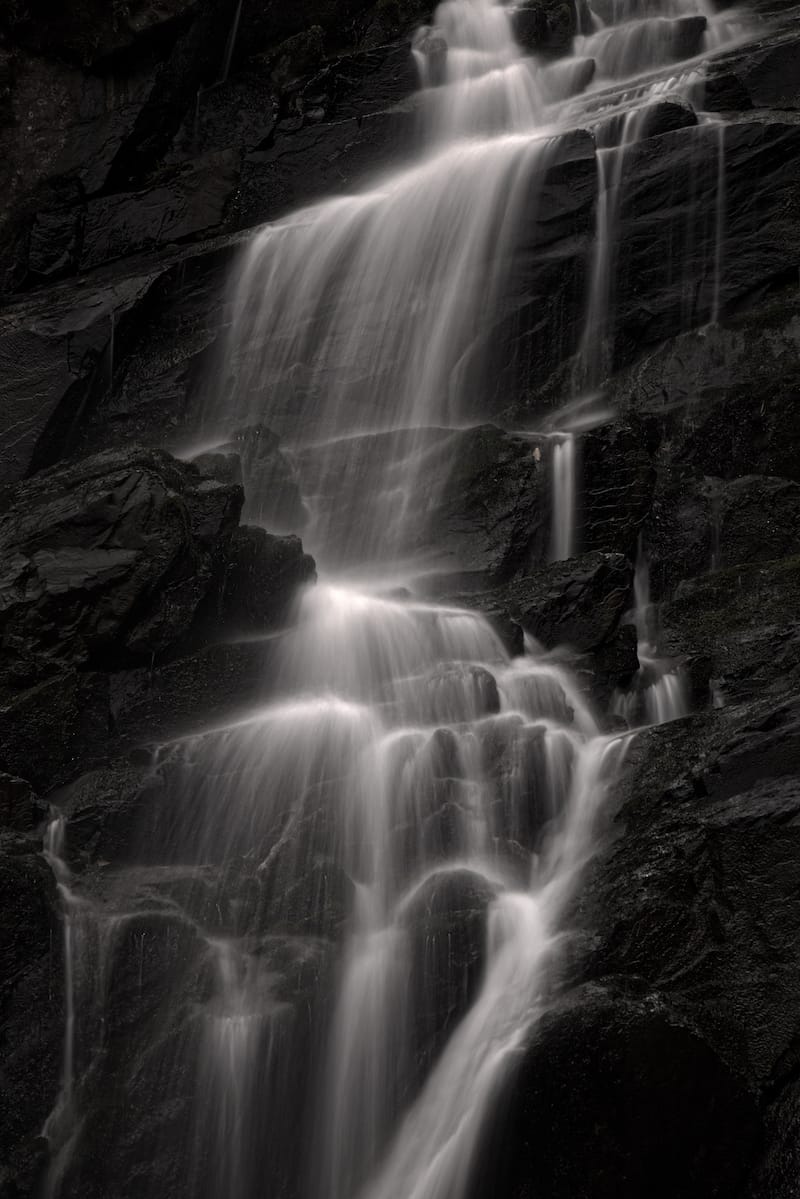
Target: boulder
<point x="446" y="917"/>
<point x="544" y="24"/>
<point x="263" y="575"/>
<point x="114" y="554"/>
<point x="618" y="1097"/>
<point x="578" y="602"/>
<point x="115" y="564"/>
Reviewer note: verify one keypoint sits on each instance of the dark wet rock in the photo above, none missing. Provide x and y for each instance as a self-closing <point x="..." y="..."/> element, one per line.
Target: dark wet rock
<point x="688" y="36"/>
<point x="629" y="1101"/>
<point x="20" y="807"/>
<point x="721" y="409"/>
<point x="223" y="465"/>
<point x="613" y="665"/>
<point x="85" y="33"/>
<point x="299" y="55"/>
<point x="263" y="575"/>
<point x="692" y="910"/>
<point x="31" y="1017"/>
<point x="492" y="513"/>
<point x="709" y="856"/>
<point x="544" y="24"/>
<point x="618" y="478"/>
<point x="771" y="76"/>
<point x="215" y="684"/>
<point x="108" y="560"/>
<point x="50" y="728"/>
<point x="187" y="204"/>
<point x="461" y="691"/>
<point x="737" y="628"/>
<point x="541" y="309"/>
<point x="752" y="519"/>
<point x="52" y="350"/>
<point x="112" y="813"/>
<point x="350" y="119"/>
<point x="725" y="92"/>
<point x="724" y="395"/>
<point x="578" y="602"/>
<point x="577" y="605"/>
<point x="526" y="785"/>
<point x="446" y="918"/>
<point x="299" y="892"/>
<point x="154" y="374"/>
<point x="58" y="728"/>
<point x="765" y="150"/>
<point x="115" y="564"/>
<point x="654" y="119"/>
<point x="690" y="921"/>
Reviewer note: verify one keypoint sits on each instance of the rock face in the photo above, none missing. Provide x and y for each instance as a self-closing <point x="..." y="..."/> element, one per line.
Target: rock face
<point x="118" y="552"/>
<point x="116" y="563"/>
<point x="628" y="1102"/>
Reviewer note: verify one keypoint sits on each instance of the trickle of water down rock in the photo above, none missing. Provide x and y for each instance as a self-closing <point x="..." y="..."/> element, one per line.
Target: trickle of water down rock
<point x="367" y="877"/>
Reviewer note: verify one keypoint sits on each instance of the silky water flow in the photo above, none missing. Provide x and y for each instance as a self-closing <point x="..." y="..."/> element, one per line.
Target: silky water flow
<point x="345" y="1037"/>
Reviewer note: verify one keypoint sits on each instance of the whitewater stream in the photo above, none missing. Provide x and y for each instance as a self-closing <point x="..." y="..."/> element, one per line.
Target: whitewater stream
<point x="407" y="765"/>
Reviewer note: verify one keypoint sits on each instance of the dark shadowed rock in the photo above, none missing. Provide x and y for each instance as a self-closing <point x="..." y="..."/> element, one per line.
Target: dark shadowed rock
<point x="618" y="1097"/>
<point x="771" y="76"/>
<point x="577" y="603"/>
<point x="544" y="24"/>
<point x="20" y="807"/>
<point x="446" y="918"/>
<point x="114" y="564"/>
<point x="88" y="32"/>
<point x="493" y="509"/>
<point x="112" y="813"/>
<point x="738" y="627"/>
<point x="116" y="552"/>
<point x="52" y="350"/>
<point x="185" y="204"/>
<point x="31" y="1017"/>
<point x="263" y="575"/>
<point x="50" y="728"/>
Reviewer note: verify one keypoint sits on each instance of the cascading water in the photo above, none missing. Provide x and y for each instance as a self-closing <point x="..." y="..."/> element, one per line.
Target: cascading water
<point x="406" y="766"/>
<point x="659" y="691"/>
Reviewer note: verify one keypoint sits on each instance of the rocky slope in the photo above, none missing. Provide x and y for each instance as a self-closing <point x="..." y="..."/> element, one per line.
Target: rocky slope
<point x="138" y="143"/>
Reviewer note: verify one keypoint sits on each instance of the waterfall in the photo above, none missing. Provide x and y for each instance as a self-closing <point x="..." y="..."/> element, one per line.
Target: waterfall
<point x="407" y="781"/>
<point x="659" y="689"/>
<point x="563" y="498"/>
